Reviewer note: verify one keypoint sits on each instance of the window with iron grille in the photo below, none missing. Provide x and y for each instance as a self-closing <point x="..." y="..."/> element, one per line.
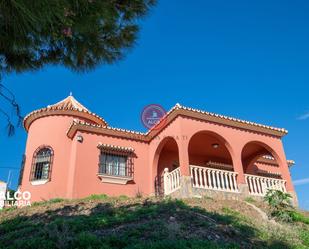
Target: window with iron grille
<point x="115" y="164"/>
<point x="41" y="165"/>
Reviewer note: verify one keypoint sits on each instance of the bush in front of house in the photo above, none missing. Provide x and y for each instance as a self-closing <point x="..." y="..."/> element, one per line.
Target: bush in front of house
<point x="280" y="205"/>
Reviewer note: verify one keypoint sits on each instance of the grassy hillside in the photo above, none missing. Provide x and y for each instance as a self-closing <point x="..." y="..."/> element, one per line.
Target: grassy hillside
<point x="108" y="223"/>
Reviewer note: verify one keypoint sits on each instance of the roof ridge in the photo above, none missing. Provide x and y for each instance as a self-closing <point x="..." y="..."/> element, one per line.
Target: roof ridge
<point x="69" y="100"/>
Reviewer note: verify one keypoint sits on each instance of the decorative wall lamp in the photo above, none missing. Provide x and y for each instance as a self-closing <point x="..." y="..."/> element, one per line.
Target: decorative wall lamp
<point x="215" y="146"/>
<point x="79" y="138"/>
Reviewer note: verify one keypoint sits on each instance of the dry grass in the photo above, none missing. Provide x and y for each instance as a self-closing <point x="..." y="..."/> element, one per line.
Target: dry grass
<point x="105" y="222"/>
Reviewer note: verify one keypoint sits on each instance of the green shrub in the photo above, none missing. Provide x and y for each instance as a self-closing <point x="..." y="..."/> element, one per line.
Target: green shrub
<point x="250" y="200"/>
<point x="97" y="197"/>
<point x="42" y="203"/>
<point x="304" y="236"/>
<point x="55" y="200"/>
<point x="280" y="204"/>
<point x="87" y="240"/>
<point x="297" y="216"/>
<point x="8" y="209"/>
<point x="123" y="197"/>
<point x="182" y="244"/>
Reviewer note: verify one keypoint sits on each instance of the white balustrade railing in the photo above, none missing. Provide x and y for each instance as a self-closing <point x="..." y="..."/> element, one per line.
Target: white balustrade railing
<point x="259" y="185"/>
<point x="171" y="180"/>
<point x="216" y="179"/>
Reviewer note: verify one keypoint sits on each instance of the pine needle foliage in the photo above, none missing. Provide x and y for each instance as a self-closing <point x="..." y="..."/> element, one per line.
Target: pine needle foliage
<point x="78" y="34"/>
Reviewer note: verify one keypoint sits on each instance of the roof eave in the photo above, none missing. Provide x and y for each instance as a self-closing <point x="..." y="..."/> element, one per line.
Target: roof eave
<point x="219" y="120"/>
<point x="109" y="131"/>
<point x="44" y="112"/>
<point x="82" y="126"/>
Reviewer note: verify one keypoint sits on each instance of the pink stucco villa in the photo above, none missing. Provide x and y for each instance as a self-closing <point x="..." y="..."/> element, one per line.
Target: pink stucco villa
<point x="73" y="153"/>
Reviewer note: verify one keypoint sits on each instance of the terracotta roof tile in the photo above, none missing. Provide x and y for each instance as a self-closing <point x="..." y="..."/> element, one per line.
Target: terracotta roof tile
<point x="178" y="106"/>
<point x="115" y="147"/>
<point x="280" y="131"/>
<point x="80" y="122"/>
<point x="69" y="104"/>
<point x="271" y="158"/>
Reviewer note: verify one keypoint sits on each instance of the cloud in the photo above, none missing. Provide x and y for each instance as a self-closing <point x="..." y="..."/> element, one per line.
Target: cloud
<point x="304" y="116"/>
<point x="301" y="181"/>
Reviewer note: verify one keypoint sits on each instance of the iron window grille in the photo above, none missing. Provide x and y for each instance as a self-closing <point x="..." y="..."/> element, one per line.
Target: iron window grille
<point x="42" y="164"/>
<point x="116" y="164"/>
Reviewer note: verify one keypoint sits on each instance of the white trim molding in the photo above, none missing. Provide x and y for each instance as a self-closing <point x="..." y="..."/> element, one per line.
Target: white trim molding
<point x="115" y="179"/>
<point x="39" y="182"/>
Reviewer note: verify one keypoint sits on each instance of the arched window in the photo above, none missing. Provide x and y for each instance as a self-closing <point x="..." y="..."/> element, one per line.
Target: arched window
<point x="42" y="162"/>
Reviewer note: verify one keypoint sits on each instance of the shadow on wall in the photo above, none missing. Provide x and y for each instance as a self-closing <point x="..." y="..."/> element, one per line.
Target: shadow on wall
<point x="128" y="224"/>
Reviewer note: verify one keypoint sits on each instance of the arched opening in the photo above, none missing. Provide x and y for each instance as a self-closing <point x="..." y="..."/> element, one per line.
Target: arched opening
<point x="211" y="163"/>
<point x="259" y="159"/>
<point x="261" y="166"/>
<point x="209" y="149"/>
<point x="166" y="156"/>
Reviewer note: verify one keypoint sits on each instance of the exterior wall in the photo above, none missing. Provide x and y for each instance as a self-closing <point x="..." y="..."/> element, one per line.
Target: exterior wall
<point x="75" y="164"/>
<point x="172" y="131"/>
<point x="86" y="181"/>
<point x="48" y="131"/>
<point x="184" y="128"/>
<point x="236" y="140"/>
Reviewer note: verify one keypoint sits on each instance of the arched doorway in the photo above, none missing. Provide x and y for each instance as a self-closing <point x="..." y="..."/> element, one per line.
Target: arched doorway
<point x="166" y="156"/>
<point x="261" y="168"/>
<point x="211" y="163"/>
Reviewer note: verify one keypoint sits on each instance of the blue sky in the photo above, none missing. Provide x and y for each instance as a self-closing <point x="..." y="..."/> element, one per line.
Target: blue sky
<point x="247" y="59"/>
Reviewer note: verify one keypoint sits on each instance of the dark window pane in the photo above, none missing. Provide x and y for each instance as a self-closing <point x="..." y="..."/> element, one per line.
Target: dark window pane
<point x="111" y="164"/>
<point x="41" y="166"/>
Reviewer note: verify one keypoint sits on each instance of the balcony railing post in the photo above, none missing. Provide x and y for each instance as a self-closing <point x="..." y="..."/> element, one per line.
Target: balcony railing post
<point x="204" y="177"/>
<point x="171" y="180"/>
<point x="209" y="179"/>
<point x="166" y="181"/>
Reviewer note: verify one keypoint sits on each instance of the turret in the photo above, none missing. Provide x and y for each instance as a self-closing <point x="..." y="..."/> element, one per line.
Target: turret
<point x="48" y="149"/>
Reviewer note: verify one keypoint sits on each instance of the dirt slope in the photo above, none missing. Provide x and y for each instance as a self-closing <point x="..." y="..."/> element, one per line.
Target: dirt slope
<point x="105" y="222"/>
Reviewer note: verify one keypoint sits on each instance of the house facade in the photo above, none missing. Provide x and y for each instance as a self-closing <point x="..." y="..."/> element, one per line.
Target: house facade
<point x="73" y="153"/>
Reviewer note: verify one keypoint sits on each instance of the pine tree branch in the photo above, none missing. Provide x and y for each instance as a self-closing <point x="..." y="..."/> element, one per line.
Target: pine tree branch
<point x="4" y="92"/>
<point x="11" y="99"/>
<point x="10" y="127"/>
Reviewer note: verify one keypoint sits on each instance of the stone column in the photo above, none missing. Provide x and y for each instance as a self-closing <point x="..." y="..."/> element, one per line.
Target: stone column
<point x="284" y="169"/>
<point x="183" y="158"/>
<point x="185" y="176"/>
<point x="238" y="167"/>
<point x="71" y="172"/>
